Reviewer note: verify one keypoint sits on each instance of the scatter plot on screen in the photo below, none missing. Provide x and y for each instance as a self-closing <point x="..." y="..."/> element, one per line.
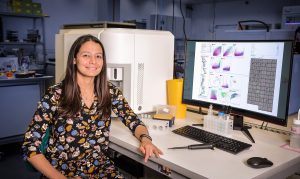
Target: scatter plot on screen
<point x="262" y="83"/>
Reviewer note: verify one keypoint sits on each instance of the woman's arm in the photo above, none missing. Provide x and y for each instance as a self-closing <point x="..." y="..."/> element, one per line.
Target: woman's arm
<point x="122" y="109"/>
<point x="146" y="147"/>
<point x="42" y="164"/>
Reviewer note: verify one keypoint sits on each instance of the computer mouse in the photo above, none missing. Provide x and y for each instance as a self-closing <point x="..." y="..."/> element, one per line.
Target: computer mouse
<point x="259" y="162"/>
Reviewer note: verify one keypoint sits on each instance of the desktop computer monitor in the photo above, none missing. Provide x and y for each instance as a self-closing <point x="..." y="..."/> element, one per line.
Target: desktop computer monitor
<point x="250" y="78"/>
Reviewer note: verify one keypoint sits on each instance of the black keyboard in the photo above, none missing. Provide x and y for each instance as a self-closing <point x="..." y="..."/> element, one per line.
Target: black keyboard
<point x="220" y="142"/>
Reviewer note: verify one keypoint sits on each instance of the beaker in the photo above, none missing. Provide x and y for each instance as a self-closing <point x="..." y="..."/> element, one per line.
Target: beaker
<point x="25" y="64"/>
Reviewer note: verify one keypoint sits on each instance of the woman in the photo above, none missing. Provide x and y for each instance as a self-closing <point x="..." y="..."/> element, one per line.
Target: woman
<point x="78" y="110"/>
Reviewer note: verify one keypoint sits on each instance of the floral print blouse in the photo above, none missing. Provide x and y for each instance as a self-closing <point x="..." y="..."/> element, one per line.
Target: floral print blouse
<point x="77" y="146"/>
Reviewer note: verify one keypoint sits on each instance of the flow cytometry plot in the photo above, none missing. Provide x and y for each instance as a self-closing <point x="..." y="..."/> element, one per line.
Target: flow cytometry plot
<point x="235" y="97"/>
<point x="224" y="82"/>
<point x="213" y="94"/>
<point x="215" y="63"/>
<point x="239" y="51"/>
<point x="224" y="96"/>
<point x="234" y="83"/>
<point x="217" y="51"/>
<point x="226" y="68"/>
<point x="228" y="51"/>
<point x="225" y="65"/>
<point x="219" y="81"/>
<point x="214" y="80"/>
<point x="225" y="85"/>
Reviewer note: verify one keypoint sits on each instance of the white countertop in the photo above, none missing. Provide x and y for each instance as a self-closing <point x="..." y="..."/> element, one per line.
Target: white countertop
<point x="216" y="164"/>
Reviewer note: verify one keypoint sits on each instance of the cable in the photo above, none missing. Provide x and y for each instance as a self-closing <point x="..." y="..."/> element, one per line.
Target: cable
<point x="114" y="7"/>
<point x="183" y="27"/>
<point x="173" y="18"/>
<point x="214" y="19"/>
<point x="156" y="16"/>
<point x="295" y="41"/>
<point x="261" y="126"/>
<point x="266" y="126"/>
<point x="280" y="131"/>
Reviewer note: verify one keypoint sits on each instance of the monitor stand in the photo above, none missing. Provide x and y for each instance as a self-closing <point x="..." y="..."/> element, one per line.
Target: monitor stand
<point x="199" y="111"/>
<point x="238" y="124"/>
<point x="202" y="112"/>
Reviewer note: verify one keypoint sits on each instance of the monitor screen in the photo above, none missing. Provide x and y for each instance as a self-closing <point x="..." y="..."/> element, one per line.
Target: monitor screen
<point x="251" y="78"/>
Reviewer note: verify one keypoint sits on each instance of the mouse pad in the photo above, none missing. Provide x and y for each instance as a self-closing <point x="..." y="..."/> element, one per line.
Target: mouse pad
<point x="287" y="146"/>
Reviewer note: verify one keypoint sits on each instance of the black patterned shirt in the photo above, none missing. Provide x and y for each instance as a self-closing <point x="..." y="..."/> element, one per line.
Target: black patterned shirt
<point x="77" y="146"/>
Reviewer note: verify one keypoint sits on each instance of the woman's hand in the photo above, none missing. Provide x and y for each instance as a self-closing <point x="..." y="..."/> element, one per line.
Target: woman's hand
<point x="148" y="149"/>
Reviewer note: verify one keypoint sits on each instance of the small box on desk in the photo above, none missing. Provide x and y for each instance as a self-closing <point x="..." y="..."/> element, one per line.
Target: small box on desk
<point x="165" y="117"/>
<point x="166" y="113"/>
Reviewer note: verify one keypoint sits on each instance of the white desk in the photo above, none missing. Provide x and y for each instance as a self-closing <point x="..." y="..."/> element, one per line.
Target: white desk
<point x="214" y="164"/>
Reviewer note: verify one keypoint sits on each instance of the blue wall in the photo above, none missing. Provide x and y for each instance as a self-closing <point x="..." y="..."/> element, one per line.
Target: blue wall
<point x="141" y="10"/>
<point x="210" y="18"/>
<point x="66" y="12"/>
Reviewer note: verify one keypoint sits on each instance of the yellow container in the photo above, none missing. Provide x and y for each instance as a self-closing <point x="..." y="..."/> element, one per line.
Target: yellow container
<point x="174" y="97"/>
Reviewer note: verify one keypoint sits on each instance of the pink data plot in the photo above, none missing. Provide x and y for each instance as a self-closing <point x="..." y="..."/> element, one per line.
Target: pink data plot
<point x="213" y="95"/>
<point x="217" y="51"/>
<point x="239" y="52"/>
<point x="227" y="52"/>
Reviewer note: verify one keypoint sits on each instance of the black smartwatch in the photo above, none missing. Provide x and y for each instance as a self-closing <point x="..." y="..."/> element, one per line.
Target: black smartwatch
<point x="144" y="135"/>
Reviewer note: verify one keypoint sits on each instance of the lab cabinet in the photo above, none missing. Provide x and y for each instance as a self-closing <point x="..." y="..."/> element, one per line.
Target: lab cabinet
<point x="17" y="108"/>
<point x="19" y="99"/>
<point x="25" y="40"/>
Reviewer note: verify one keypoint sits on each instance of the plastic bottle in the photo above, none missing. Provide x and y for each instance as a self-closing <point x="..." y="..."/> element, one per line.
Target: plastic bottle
<point x="295" y="135"/>
<point x="220" y="123"/>
<point x="228" y="125"/>
<point x="207" y="123"/>
<point x="210" y="110"/>
<point x="25" y="64"/>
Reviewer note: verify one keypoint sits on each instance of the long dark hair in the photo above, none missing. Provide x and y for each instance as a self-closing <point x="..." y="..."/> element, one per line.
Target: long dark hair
<point x="71" y="102"/>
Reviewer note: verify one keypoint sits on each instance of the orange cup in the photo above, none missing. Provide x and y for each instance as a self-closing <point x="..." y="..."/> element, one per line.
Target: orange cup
<point x="9" y="74"/>
<point x="174" y="97"/>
